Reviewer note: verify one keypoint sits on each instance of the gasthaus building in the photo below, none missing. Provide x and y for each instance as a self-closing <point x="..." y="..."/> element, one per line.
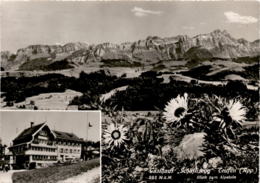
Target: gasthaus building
<point x="39" y="146"/>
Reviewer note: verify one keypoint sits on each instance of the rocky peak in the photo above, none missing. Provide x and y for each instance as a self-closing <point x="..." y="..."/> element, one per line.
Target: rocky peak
<point x="220" y="32"/>
<point x="70" y="47"/>
<point x="5" y="54"/>
<point x="45" y="50"/>
<point x="256" y="43"/>
<point x="218" y="43"/>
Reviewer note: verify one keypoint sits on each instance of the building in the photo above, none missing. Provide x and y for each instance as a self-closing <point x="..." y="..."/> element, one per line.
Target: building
<point x="2" y="151"/>
<point x="69" y="146"/>
<point x="39" y="146"/>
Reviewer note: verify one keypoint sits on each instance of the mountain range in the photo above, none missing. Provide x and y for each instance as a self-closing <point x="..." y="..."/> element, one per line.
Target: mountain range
<point x="214" y="45"/>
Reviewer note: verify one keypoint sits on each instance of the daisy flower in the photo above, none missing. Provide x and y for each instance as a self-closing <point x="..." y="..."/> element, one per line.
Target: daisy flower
<point x="115" y="135"/>
<point x="236" y="110"/>
<point x="230" y="116"/>
<point x="232" y="112"/>
<point x="176" y="109"/>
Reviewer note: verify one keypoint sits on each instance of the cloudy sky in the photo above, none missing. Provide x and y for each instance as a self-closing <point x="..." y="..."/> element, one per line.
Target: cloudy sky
<point x="14" y="122"/>
<point x="25" y="23"/>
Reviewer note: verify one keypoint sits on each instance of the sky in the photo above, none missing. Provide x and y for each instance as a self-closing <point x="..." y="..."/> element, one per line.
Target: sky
<point x="27" y="23"/>
<point x="12" y="123"/>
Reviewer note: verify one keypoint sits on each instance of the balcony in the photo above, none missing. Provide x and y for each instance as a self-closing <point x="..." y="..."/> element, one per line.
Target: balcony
<point x="43" y="145"/>
<point x="34" y="152"/>
<point x="44" y="161"/>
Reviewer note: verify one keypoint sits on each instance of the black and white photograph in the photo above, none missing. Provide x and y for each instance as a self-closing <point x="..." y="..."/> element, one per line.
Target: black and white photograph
<point x="50" y="146"/>
<point x="177" y="83"/>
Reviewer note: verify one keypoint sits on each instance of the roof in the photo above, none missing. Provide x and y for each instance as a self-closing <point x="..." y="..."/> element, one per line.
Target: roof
<point x="66" y="136"/>
<point x="26" y="134"/>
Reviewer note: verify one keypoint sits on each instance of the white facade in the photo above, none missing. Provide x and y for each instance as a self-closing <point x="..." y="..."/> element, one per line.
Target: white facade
<point x="68" y="151"/>
<point x="46" y="148"/>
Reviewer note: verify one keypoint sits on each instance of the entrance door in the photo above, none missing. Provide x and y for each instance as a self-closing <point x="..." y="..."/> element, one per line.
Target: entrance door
<point x="22" y="161"/>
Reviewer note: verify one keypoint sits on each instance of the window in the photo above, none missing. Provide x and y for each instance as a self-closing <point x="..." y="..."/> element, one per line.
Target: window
<point x="61" y="150"/>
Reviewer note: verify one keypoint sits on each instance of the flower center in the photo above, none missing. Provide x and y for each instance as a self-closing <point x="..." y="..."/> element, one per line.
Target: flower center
<point x="116" y="134"/>
<point x="226" y="115"/>
<point x="179" y="112"/>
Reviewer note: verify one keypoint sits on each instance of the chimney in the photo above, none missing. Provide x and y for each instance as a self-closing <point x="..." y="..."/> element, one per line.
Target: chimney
<point x="32" y="123"/>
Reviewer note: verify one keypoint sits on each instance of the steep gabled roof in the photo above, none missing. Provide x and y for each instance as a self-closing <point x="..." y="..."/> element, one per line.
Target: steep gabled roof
<point x="66" y="136"/>
<point x="27" y="134"/>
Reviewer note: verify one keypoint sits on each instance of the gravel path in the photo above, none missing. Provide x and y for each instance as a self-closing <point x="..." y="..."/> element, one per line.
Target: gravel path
<point x="87" y="177"/>
<point x="6" y="177"/>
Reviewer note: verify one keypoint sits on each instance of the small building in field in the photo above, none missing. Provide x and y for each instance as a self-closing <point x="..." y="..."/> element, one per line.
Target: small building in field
<point x="39" y="146"/>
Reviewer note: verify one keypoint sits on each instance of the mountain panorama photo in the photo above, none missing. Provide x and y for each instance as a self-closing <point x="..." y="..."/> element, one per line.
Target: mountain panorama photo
<point x="110" y="70"/>
<point x="177" y="84"/>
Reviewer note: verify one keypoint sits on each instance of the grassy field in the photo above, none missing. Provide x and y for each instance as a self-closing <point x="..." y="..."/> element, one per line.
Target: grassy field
<point x="55" y="173"/>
